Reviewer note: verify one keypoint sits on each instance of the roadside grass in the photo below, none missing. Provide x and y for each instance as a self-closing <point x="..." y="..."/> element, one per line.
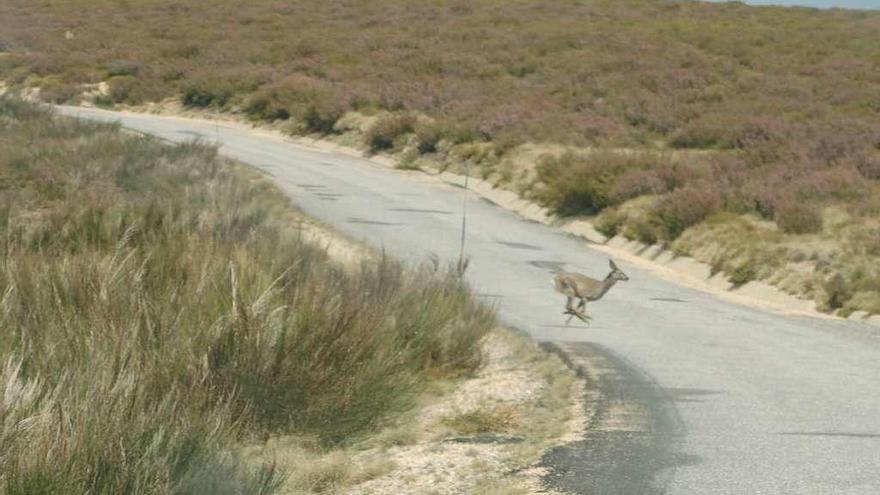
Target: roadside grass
<point x="159" y="309"/>
<point x="484" y="434"/>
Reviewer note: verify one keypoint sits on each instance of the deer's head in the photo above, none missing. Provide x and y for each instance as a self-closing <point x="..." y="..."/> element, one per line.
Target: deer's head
<point x="616" y="273"/>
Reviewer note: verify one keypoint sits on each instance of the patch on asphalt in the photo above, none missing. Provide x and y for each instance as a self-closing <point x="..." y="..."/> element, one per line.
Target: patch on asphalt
<point x="519" y="245"/>
<point x="668" y="299"/>
<point x="421" y="210"/>
<point x="552" y="266"/>
<point x="634" y="435"/>
<point x="311" y="186"/>
<point x="372" y="222"/>
<point x="191" y="133"/>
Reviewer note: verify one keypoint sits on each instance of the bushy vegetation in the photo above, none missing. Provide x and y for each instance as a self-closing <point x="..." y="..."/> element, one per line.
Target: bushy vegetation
<point x="687" y="189"/>
<point x="689" y="109"/>
<point x="630" y="72"/>
<point x="382" y="134"/>
<point x="159" y="308"/>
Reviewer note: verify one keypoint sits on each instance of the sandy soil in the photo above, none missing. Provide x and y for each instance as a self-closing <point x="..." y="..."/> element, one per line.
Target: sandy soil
<point x="446" y="462"/>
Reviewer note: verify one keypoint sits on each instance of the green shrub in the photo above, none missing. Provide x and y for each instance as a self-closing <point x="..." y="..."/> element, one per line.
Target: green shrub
<point x="742" y="274"/>
<point x="311" y="102"/>
<point x="382" y="134"/>
<point x="202" y="95"/>
<point x="609" y="222"/>
<point x="122" y="68"/>
<point x="321" y="116"/>
<point x="835" y="292"/>
<point x="585" y="184"/>
<point x="685" y="207"/>
<point x="55" y="91"/>
<point x="428" y="135"/>
<point x="127" y="89"/>
<point x="798" y="217"/>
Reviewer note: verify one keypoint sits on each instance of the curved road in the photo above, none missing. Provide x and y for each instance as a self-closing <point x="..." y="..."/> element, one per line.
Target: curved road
<point x="698" y="396"/>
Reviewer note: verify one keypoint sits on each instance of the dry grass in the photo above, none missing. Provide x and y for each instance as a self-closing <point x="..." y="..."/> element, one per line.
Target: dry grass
<point x="481" y="421"/>
<point x="159" y="307"/>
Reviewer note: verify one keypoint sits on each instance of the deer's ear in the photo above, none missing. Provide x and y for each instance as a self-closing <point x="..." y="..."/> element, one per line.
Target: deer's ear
<point x="612" y="265"/>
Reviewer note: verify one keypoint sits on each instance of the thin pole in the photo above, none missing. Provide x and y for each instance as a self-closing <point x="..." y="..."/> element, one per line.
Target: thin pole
<point x="467" y="174"/>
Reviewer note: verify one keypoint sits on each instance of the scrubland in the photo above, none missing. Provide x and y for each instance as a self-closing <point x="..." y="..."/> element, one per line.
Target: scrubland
<point x="160" y="309"/>
<point x="672" y="122"/>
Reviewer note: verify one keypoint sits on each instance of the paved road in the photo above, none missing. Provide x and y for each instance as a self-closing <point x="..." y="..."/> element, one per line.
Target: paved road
<point x="699" y="396"/>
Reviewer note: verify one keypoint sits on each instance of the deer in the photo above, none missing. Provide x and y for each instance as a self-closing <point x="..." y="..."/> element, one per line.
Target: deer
<point x="583" y="288"/>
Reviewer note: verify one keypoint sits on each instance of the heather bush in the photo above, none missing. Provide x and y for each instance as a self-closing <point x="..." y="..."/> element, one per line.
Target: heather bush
<point x="207" y="92"/>
<point x="686" y="206"/>
<point x="796" y="216"/>
<point x="387" y="128"/>
<point x="585" y="184"/>
<point x="674" y="80"/>
<point x="834" y="291"/>
<point x="310" y="101"/>
<point x="430" y="133"/>
<point x="55" y="91"/>
<point x="609" y="222"/>
<point x="122" y="68"/>
<point x="128" y="89"/>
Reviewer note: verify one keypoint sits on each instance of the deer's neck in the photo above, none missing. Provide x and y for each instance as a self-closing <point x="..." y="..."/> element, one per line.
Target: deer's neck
<point x="607" y="284"/>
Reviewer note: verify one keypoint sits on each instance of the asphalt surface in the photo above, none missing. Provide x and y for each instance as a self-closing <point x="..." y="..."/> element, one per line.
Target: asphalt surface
<point x="699" y="396"/>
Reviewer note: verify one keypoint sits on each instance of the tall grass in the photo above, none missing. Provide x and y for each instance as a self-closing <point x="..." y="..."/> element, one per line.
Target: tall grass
<point x="158" y="306"/>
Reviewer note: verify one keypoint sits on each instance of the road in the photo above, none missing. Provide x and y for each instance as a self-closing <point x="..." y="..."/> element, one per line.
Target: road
<point x="699" y="396"/>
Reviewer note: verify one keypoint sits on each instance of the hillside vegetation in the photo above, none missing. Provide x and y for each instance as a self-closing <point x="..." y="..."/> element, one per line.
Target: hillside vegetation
<point x="673" y="113"/>
<point x="159" y="308"/>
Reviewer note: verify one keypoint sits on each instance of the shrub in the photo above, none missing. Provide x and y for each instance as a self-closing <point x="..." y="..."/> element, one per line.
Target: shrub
<point x="429" y="134"/>
<point x="206" y="93"/>
<point x="869" y="165"/>
<point x="126" y="89"/>
<point x="574" y="184"/>
<point x="55" y="91"/>
<point x="797" y="216"/>
<point x="314" y="103"/>
<point x="122" y="68"/>
<point x="685" y="207"/>
<point x="705" y="134"/>
<point x="586" y="184"/>
<point x="742" y="274"/>
<point x="381" y="135"/>
<point x="322" y="115"/>
<point x="609" y="222"/>
<point x="835" y="292"/>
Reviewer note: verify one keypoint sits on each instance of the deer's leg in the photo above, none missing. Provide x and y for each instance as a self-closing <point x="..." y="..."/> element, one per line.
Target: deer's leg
<point x="569" y="309"/>
<point x="580" y="311"/>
